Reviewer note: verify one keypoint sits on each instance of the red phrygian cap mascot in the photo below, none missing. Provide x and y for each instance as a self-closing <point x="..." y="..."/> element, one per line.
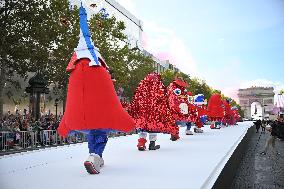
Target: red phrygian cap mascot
<point x="178" y="100"/>
<point x="92" y="102"/>
<point x="181" y="109"/>
<point x="215" y="110"/>
<point x="229" y="117"/>
<point x="150" y="110"/>
<point x="236" y="113"/>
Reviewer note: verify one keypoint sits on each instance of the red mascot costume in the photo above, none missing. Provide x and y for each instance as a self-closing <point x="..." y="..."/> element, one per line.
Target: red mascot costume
<point x="180" y="107"/>
<point x="229" y="118"/>
<point x="215" y="110"/>
<point x="92" y="105"/>
<point x="150" y="110"/>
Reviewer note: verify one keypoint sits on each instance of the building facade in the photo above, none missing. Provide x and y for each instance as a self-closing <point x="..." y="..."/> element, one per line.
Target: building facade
<point x="133" y="25"/>
<point x="161" y="65"/>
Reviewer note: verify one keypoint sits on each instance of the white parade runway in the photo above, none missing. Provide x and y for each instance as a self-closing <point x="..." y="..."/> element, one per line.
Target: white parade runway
<point x="192" y="162"/>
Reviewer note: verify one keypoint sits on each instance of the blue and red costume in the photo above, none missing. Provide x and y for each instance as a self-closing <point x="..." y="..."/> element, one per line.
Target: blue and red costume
<point x="92" y="105"/>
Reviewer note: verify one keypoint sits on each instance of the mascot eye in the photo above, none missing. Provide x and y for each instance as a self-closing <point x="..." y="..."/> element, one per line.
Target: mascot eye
<point x="177" y="91"/>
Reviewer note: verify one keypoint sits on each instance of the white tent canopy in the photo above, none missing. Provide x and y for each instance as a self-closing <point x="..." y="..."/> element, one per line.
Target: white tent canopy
<point x="279" y="101"/>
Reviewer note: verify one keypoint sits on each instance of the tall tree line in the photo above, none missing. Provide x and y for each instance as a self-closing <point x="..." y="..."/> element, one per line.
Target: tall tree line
<point x="40" y="36"/>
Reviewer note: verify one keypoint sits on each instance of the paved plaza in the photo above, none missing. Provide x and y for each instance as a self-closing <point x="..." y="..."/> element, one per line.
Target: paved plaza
<point x="261" y="171"/>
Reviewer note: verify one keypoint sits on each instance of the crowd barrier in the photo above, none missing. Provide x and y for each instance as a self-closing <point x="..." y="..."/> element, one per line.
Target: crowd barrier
<point x="22" y="140"/>
<point x="35" y="139"/>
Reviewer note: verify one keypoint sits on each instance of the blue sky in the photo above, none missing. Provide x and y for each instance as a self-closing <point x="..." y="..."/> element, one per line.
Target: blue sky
<point x="231" y="44"/>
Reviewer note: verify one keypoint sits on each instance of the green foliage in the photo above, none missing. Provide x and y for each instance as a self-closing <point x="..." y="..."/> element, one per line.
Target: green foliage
<point x="168" y="76"/>
<point x="18" y="22"/>
<point x="41" y="36"/>
<point x="130" y="66"/>
<point x="138" y="67"/>
<point x="281" y="92"/>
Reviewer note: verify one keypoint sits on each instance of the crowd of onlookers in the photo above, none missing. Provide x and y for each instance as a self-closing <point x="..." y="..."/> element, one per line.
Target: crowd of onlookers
<point x="22" y="130"/>
<point x="18" y="122"/>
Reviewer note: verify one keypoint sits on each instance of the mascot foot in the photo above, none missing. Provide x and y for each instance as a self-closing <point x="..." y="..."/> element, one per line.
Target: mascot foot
<point x="93" y="164"/>
<point x="174" y="137"/>
<point x="198" y="130"/>
<point x="212" y="126"/>
<point x="153" y="146"/>
<point x="188" y="132"/>
<point x="141" y="144"/>
<point x="217" y="127"/>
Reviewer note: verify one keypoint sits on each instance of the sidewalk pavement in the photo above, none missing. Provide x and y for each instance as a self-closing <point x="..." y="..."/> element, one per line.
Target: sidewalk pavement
<point x="258" y="171"/>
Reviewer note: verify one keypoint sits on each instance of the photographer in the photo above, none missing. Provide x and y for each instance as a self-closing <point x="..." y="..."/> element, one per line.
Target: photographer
<point x="276" y="131"/>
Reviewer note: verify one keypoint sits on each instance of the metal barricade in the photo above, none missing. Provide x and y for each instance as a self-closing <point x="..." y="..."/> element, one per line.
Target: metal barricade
<point x="49" y="137"/>
<point x="28" y="139"/>
<point x="7" y="140"/>
<point x="34" y="139"/>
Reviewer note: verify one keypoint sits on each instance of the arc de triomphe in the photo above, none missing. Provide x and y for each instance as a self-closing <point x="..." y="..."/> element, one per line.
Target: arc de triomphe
<point x="262" y="95"/>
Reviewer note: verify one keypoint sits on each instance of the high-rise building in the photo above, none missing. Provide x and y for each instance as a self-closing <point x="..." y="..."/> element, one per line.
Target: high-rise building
<point x="133" y="25"/>
<point x="161" y="65"/>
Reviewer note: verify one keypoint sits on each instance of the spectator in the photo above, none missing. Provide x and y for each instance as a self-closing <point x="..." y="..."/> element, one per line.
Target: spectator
<point x="275" y="131"/>
<point x="263" y="126"/>
<point x="257" y="125"/>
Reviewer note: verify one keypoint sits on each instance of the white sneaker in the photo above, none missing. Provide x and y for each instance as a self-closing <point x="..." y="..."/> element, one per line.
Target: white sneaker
<point x="188" y="132"/>
<point x="102" y="162"/>
<point x="93" y="164"/>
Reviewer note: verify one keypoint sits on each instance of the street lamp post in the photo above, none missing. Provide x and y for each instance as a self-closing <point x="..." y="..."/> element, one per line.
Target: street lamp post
<point x="56" y="105"/>
<point x="37" y="87"/>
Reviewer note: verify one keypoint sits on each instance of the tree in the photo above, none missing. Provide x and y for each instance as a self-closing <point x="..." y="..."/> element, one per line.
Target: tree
<point x="130" y="66"/>
<point x="281" y="92"/>
<point x="139" y="66"/>
<point x="18" y="21"/>
<point x="169" y="75"/>
<point x="41" y="36"/>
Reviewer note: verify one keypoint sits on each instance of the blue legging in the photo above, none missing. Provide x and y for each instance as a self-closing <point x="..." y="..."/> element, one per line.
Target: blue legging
<point x="97" y="140"/>
<point x="188" y="125"/>
<point x="184" y="123"/>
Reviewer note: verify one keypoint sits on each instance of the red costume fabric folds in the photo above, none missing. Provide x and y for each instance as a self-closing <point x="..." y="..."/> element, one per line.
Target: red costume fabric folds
<point x="215" y="108"/>
<point x="149" y="107"/>
<point x="229" y="114"/>
<point x="92" y="102"/>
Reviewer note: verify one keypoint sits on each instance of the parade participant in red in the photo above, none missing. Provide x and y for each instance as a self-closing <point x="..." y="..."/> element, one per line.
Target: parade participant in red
<point x="178" y="102"/>
<point x="192" y="113"/>
<point x="236" y="113"/>
<point x="149" y="108"/>
<point x="215" y="110"/>
<point x="92" y="105"/>
<point x="200" y="103"/>
<point x="229" y="118"/>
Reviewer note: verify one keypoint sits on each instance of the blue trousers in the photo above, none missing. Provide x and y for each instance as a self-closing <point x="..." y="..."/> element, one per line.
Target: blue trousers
<point x="188" y="125"/>
<point x="97" y="140"/>
<point x="183" y="124"/>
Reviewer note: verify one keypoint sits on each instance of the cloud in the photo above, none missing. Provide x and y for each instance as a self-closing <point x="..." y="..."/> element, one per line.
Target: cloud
<point x="277" y="85"/>
<point x="233" y="91"/>
<point x="165" y="44"/>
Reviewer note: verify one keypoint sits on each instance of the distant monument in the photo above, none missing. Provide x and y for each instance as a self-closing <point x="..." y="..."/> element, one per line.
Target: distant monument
<point x="256" y="102"/>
